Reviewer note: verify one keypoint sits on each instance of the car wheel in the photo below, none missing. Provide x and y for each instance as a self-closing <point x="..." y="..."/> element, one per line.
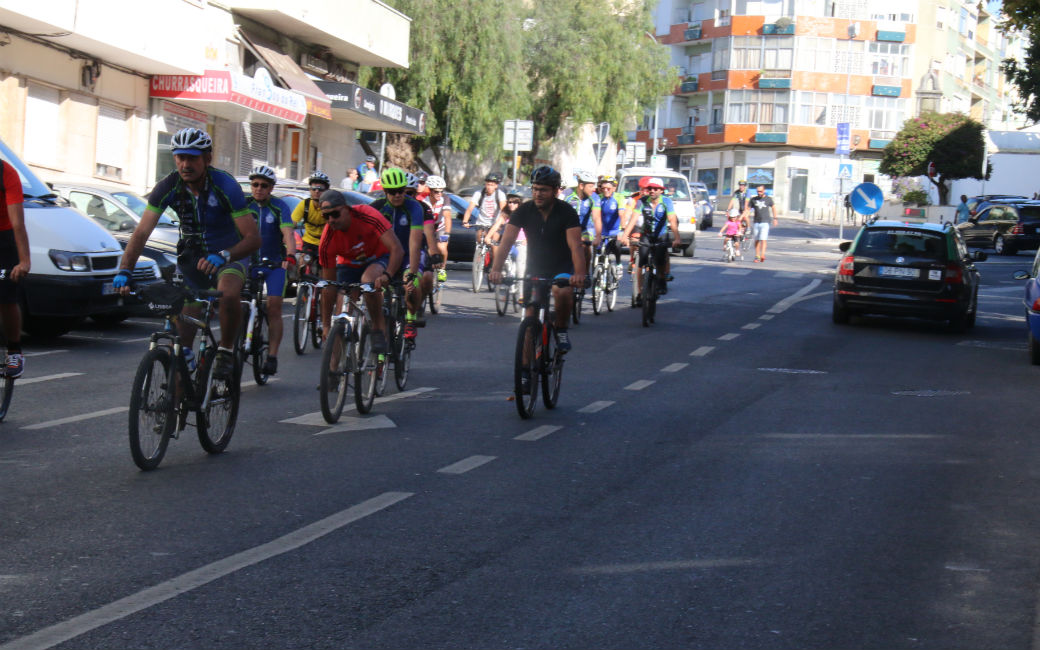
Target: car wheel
<point x="1001" y="247"/>
<point x="959" y="323"/>
<point x="1034" y="350"/>
<point x="839" y="313"/>
<point x="689" y="249"/>
<point x="48" y="327"/>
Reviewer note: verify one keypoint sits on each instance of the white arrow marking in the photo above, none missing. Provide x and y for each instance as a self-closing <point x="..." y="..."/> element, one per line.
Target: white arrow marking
<point x="359" y="424"/>
<point x="867" y="199"/>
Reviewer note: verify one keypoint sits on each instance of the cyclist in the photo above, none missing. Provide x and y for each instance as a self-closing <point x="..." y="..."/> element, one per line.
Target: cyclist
<point x="657" y="211"/>
<point x="371" y="254"/>
<point x="553" y="245"/>
<point x="14" y="255"/>
<point x="489" y="202"/>
<point x="739" y="199"/>
<point x="732" y="230"/>
<point x="216" y="237"/>
<point x="408" y="220"/>
<point x="429" y="254"/>
<point x="587" y="204"/>
<point x="498" y="228"/>
<point x="278" y="246"/>
<point x="633" y="216"/>
<point x="611" y="211"/>
<point x="438" y="202"/>
<point x="422" y="188"/>
<point x="309" y="211"/>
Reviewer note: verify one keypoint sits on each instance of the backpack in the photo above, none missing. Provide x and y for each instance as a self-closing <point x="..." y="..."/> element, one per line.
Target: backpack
<point x="498" y="206"/>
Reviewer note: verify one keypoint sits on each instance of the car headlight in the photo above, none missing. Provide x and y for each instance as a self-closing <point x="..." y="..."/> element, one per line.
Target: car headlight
<point x="67" y="261"/>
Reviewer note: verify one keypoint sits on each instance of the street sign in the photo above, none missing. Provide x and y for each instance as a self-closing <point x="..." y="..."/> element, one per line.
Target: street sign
<point x="600" y="149"/>
<point x="635" y="152"/>
<point x="866" y="198"/>
<point x="845" y="171"/>
<point x="519" y="133"/>
<point x="622" y="156"/>
<point x="602" y="132"/>
<point x="844" y="134"/>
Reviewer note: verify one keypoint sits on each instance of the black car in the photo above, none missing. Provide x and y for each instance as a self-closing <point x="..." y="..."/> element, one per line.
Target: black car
<point x="463" y="240"/>
<point x="1005" y="225"/>
<point x="976" y="203"/>
<point x="908" y="269"/>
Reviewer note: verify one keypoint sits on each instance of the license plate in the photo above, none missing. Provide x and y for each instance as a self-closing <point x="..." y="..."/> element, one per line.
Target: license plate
<point x="898" y="272"/>
<point x="108" y="288"/>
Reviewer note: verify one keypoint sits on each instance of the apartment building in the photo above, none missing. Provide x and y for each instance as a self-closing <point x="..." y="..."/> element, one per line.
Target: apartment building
<point x="765" y="84"/>
<point x="92" y="90"/>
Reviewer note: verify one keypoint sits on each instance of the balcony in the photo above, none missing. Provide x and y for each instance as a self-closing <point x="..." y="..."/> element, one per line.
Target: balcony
<point x="693" y="32"/>
<point x="775" y="79"/>
<point x="783" y="26"/>
<point x="688" y="135"/>
<point x="772" y="133"/>
<point x="878" y="139"/>
<point x="716" y="127"/>
<point x="879" y="90"/>
<point x="892" y="36"/>
<point x="689" y="85"/>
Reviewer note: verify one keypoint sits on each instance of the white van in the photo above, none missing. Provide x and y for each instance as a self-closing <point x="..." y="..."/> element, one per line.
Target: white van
<point x="73" y="262"/>
<point x="677" y="188"/>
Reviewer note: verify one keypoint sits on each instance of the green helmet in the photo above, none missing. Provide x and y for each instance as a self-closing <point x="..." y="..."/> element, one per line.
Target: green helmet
<point x="393" y="178"/>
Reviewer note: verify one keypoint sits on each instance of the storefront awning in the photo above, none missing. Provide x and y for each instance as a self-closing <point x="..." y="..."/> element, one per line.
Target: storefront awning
<point x="290" y="74"/>
<point x="234" y="97"/>
<point x="367" y="110"/>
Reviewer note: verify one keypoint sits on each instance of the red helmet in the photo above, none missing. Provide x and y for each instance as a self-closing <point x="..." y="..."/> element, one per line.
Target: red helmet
<point x="653" y="181"/>
<point x="643" y="181"/>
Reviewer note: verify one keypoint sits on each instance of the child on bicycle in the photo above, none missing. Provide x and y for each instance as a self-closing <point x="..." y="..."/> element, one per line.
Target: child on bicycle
<point x="731" y="229"/>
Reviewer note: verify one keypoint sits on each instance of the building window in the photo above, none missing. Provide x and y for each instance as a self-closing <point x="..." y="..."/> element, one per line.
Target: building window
<point x="747" y="53"/>
<point x="111" y="143"/>
<point x="812" y="108"/>
<point x="758" y="106"/>
<point x="889" y="59"/>
<point x="720" y="52"/>
<point x="252" y="150"/>
<point x="42" y="125"/>
<point x="885" y="113"/>
<point x="777" y="52"/>
<point x="814" y="54"/>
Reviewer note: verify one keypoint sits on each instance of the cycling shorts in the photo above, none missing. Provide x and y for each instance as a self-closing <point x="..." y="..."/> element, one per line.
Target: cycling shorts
<point x="199" y="281"/>
<point x="352" y="274"/>
<point x="660" y="253"/>
<point x="274" y="280"/>
<point x="8" y="260"/>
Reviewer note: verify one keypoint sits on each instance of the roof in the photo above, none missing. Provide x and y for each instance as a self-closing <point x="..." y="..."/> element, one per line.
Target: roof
<point x="918" y="225"/>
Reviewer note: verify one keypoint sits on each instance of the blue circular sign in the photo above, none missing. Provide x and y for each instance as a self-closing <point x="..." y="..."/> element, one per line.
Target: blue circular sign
<point x="866" y="198"/>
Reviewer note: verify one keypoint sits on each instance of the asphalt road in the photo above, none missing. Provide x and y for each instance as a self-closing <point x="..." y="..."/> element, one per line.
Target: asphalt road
<point x="743" y="473"/>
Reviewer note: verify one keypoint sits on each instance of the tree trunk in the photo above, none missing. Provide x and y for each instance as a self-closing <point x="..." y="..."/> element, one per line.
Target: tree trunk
<point x="942" y="188"/>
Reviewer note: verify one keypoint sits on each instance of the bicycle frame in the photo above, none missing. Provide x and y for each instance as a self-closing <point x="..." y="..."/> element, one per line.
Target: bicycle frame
<point x="169" y="336"/>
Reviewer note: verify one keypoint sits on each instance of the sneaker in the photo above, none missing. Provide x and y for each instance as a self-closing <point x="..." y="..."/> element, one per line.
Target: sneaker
<point x="270" y="366"/>
<point x="442" y="275"/>
<point x="224" y="365"/>
<point x="758" y="259"/>
<point x="670" y="277"/>
<point x="15" y="366"/>
<point x="563" y="340"/>
<point x="379" y="341"/>
<point x="638" y="301"/>
<point x="410" y="330"/>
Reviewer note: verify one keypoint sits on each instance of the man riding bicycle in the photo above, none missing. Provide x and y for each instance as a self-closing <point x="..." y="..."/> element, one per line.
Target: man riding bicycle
<point x="488" y="202"/>
<point x="278" y="247"/>
<point x="657" y="211"/>
<point x="309" y="212"/>
<point x="610" y="218"/>
<point x="218" y="234"/>
<point x="441" y="208"/>
<point x="587" y="204"/>
<point x="553" y="245"/>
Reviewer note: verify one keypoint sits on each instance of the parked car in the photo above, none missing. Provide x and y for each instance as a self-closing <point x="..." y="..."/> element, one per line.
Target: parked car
<point x="112" y="210"/>
<point x="1031" y="303"/>
<point x="463" y="240"/>
<point x="976" y="203"/>
<point x="908" y="269"/>
<point x="1005" y="225"/>
<point x="702" y="196"/>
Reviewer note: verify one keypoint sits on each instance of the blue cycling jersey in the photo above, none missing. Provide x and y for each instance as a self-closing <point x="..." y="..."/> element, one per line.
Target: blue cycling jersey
<point x="272" y="216"/>
<point x="655" y="217"/>
<point x="584" y="208"/>
<point x="207" y="220"/>
<point x="610" y="215"/>
<point x="404" y="220"/>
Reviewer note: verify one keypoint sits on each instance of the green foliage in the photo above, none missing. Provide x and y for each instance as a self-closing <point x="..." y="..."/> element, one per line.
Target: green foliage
<point x="920" y="197"/>
<point x="1026" y="77"/>
<point x="952" y="141"/>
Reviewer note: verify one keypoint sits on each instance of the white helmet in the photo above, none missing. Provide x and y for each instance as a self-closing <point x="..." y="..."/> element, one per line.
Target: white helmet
<point x="583" y="176"/>
<point x="435" y="183"/>
<point x="413" y="181"/>
<point x="733" y="212"/>
<point x="264" y="171"/>
<point x="193" y="142"/>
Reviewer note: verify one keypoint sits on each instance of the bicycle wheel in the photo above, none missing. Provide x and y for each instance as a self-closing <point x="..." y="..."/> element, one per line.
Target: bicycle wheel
<point x="612" y="286"/>
<point x="552" y="368"/>
<point x="478" y="267"/>
<point x="365" y="376"/>
<point x="649" y="297"/>
<point x="435" y="296"/>
<point x="314" y="321"/>
<point x="216" y="421"/>
<point x="301" y="318"/>
<point x="528" y="345"/>
<point x="502" y="298"/>
<point x="401" y="349"/>
<point x="579" y="298"/>
<point x="151" y="408"/>
<point x="633" y="268"/>
<point x="261" y="347"/>
<point x="383" y="365"/>
<point x="599" y="287"/>
<point x="335" y="370"/>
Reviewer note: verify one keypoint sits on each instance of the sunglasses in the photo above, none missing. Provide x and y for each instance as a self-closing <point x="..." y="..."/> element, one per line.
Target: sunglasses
<point x="517" y="201"/>
<point x="318" y="188"/>
<point x="261" y="185"/>
<point x="395" y="191"/>
<point x="331" y="214"/>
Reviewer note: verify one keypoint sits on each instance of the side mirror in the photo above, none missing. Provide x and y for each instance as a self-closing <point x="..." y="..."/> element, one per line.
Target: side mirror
<point x="845" y="246"/>
<point x="129" y="224"/>
<point x="980" y="256"/>
<point x="1021" y="275"/>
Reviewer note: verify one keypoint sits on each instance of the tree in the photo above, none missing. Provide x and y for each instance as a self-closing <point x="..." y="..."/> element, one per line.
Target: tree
<point x="953" y="142"/>
<point x="1020" y="18"/>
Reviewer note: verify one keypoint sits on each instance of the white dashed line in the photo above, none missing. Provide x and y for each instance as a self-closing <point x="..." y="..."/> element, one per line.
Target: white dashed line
<point x="77" y="418"/>
<point x="787" y="274"/>
<point x="466" y="464"/>
<point x="538" y="433"/>
<point x="794" y="298"/>
<point x="736" y="272"/>
<point x="729" y="337"/>
<point x="674" y="367"/>
<point x="794" y="371"/>
<point x="36" y="380"/>
<point x="702" y="351"/>
<point x="640" y="385"/>
<point x="43" y="353"/>
<point x="751" y="326"/>
<point x="766" y="317"/>
<point x="595" y="407"/>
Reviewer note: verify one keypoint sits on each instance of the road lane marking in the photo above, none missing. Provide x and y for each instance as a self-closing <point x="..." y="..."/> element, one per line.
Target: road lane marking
<point x="670" y="565"/>
<point x="729" y="337"/>
<point x="702" y="351"/>
<point x="736" y="272"/>
<point x="246" y="384"/>
<point x="674" y="367"/>
<point x="51" y="636"/>
<point x="595" y="407"/>
<point x="359" y="424"/>
<point x="36" y="380"/>
<point x="137" y="340"/>
<point x="851" y="436"/>
<point x="466" y="464"/>
<point x="77" y="418"/>
<point x="43" y="353"/>
<point x="766" y="317"/>
<point x="796" y="297"/>
<point x="316" y="420"/>
<point x="538" y="433"/>
<point x="751" y="326"/>
<point x="640" y="385"/>
<point x="787" y="274"/>
<point x="794" y="371"/>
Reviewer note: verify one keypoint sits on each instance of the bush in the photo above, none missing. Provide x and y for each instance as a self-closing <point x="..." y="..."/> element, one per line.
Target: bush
<point x="920" y="197"/>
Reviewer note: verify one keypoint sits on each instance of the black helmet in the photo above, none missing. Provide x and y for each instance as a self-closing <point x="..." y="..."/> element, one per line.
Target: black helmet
<point x="545" y="175"/>
<point x="493" y="177"/>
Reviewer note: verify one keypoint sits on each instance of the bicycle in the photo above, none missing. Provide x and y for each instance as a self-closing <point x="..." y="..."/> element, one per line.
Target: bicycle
<point x="746" y="240"/>
<point x="434" y="297"/>
<point x="730" y="248"/>
<point x="255" y="335"/>
<point x="306" y="313"/>
<point x="605" y="279"/>
<point x="348" y="356"/>
<point x="482" y="257"/>
<point x="508" y="292"/>
<point x="166" y="388"/>
<point x="538" y="358"/>
<point x="633" y="264"/>
<point x="394" y="309"/>
<point x="653" y="283"/>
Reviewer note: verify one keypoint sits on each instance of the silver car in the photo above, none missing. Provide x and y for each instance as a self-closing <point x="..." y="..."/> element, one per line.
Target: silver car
<point x="116" y="210"/>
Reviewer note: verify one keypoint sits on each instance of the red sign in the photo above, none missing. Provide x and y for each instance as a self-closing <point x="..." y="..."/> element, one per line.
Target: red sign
<point x="256" y="93"/>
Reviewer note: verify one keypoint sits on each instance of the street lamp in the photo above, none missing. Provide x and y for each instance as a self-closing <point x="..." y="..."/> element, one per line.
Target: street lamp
<point x="657" y="106"/>
<point x="853" y="33"/>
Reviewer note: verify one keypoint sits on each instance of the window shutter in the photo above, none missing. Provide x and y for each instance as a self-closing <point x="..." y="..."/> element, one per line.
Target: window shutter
<point x="252" y="150"/>
<point x="110" y="150"/>
<point x="42" y="125"/>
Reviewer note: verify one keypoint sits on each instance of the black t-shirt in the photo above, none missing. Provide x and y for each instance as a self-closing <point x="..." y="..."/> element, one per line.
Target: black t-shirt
<point x="547" y="249"/>
<point x="761" y="205"/>
<point x="741" y="197"/>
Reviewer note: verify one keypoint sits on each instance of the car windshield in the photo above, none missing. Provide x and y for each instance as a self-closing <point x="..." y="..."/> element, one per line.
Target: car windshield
<point x="676" y="187"/>
<point x="32" y="187"/>
<point x="138" y="205"/>
<point x="1029" y="213"/>
<point x="898" y="241"/>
